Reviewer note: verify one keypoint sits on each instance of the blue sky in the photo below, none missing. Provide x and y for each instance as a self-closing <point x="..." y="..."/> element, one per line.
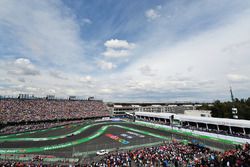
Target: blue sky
<point x="144" y="50"/>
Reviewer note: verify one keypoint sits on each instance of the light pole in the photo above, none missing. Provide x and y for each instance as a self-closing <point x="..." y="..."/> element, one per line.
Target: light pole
<point x="171" y="123"/>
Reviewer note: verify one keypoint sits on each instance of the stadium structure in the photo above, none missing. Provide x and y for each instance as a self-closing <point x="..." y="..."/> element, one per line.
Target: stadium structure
<point x="71" y="132"/>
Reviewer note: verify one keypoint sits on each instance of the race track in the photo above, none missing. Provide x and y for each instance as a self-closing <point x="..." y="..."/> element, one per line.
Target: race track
<point x="69" y="140"/>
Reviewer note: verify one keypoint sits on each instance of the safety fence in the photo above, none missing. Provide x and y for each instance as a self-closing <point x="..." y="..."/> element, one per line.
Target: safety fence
<point x="211" y="142"/>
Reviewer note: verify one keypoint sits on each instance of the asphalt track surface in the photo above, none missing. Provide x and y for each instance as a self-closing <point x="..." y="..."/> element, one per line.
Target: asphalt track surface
<point x="86" y="133"/>
<point x="98" y="141"/>
<point x="48" y="132"/>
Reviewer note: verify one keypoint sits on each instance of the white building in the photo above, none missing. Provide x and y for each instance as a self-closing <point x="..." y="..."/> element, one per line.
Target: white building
<point x="198" y="113"/>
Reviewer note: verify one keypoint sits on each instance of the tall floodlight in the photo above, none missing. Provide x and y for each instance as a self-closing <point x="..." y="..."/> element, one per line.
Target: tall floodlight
<point x="234" y="109"/>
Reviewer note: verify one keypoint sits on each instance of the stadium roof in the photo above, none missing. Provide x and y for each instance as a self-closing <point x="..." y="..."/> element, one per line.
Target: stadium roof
<point x="118" y="106"/>
<point x="207" y="120"/>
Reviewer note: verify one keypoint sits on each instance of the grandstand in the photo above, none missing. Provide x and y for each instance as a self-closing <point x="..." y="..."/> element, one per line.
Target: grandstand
<point x="229" y="127"/>
<point x="27" y="113"/>
<point x="16" y="110"/>
<point x="59" y="132"/>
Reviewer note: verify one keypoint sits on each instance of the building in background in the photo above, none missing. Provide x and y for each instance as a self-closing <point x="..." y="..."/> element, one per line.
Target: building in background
<point x="121" y="109"/>
<point x="198" y="113"/>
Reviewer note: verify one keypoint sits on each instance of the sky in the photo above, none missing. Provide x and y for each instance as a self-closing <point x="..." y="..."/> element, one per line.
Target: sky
<point x="126" y="50"/>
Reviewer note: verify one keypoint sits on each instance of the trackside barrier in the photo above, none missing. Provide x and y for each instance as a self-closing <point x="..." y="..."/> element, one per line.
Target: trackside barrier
<point x="30" y="157"/>
<point x="87" y="157"/>
<point x="92" y="149"/>
<point x="204" y="135"/>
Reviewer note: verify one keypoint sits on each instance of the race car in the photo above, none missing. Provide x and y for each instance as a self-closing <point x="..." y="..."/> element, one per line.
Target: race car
<point x="102" y="152"/>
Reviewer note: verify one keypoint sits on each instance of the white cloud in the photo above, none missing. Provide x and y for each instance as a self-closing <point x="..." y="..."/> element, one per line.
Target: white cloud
<point x="86" y="21"/>
<point x="22" y="66"/>
<point x="190" y="55"/>
<point x="46" y="34"/>
<point x="105" y="65"/>
<point x="119" y="44"/>
<point x="205" y="52"/>
<point x="21" y="79"/>
<point x="237" y="78"/>
<point x="152" y="14"/>
<point x="86" y="79"/>
<point x="147" y="70"/>
<point x="58" y="74"/>
<point x="118" y="48"/>
<point x="112" y="53"/>
<point x="159" y="7"/>
<point x="106" y="91"/>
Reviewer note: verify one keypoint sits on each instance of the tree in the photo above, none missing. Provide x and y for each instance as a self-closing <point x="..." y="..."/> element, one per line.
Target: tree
<point x="224" y="109"/>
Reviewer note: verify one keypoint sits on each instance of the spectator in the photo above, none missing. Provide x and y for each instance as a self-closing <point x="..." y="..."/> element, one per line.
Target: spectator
<point x="16" y="111"/>
<point x="173" y="154"/>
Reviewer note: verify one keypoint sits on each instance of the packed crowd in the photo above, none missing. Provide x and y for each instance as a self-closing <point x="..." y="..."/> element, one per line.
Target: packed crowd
<point x="15" y="110"/>
<point x="167" y="155"/>
<point x="177" y="155"/>
<point x="30" y="127"/>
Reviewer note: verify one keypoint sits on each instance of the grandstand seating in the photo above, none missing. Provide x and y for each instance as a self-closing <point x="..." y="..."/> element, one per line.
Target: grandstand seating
<point x="17" y="110"/>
